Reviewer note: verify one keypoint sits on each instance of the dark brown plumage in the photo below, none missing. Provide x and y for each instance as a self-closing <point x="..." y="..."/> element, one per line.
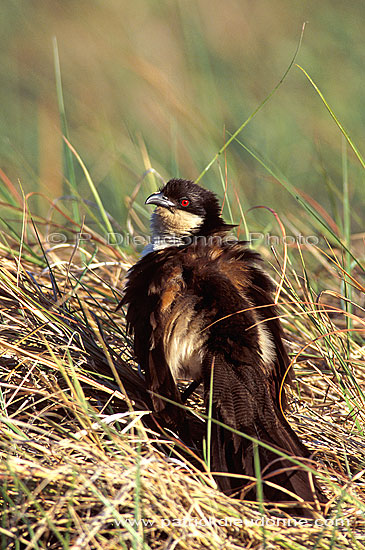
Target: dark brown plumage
<point x="197" y="302"/>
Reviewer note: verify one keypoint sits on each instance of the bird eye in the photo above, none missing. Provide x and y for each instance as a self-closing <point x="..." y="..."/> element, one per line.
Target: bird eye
<point x="185" y="202"/>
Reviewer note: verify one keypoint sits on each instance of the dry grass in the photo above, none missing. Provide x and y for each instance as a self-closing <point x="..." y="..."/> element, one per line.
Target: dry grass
<point x="83" y="465"/>
<point x="82" y="462"/>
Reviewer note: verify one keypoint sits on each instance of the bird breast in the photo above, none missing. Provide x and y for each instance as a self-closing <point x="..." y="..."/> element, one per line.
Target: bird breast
<point x="184" y="341"/>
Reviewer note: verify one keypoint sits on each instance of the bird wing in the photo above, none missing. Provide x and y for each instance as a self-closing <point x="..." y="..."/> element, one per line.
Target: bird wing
<point x="176" y="293"/>
<point x="219" y="300"/>
<point x="241" y="400"/>
<point x="248" y="366"/>
<point x="153" y="284"/>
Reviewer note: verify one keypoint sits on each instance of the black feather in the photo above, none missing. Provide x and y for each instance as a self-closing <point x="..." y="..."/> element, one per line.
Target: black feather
<point x="213" y="300"/>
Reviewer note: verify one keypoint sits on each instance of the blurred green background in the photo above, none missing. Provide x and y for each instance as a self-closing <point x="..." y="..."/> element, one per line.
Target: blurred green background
<point x="169" y="80"/>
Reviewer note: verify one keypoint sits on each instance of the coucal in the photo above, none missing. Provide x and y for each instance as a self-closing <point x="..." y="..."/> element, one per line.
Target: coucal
<point x="199" y="305"/>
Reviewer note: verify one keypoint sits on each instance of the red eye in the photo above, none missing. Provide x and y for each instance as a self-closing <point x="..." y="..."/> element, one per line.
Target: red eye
<point x="185" y="202"/>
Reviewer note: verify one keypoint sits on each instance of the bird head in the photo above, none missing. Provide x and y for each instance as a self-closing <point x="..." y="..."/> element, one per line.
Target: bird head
<point x="184" y="209"/>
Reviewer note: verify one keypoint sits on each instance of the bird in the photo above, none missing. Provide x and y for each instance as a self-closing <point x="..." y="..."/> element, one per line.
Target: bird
<point x="199" y="304"/>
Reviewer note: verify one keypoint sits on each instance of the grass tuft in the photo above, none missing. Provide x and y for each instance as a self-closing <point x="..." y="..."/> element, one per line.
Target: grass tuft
<point x="82" y="463"/>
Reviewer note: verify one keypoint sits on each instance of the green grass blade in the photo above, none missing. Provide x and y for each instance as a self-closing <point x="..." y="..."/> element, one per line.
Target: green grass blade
<point x="107" y="225"/>
<point x="292" y="190"/>
<point x="345" y="134"/>
<point x="69" y="165"/>
<point x="252" y="115"/>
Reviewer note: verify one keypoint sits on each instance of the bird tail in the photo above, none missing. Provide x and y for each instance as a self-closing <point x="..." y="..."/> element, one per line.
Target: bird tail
<point x="242" y="401"/>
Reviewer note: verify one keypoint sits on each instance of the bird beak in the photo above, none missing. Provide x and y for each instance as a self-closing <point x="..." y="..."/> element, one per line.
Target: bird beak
<point x="159" y="199"/>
